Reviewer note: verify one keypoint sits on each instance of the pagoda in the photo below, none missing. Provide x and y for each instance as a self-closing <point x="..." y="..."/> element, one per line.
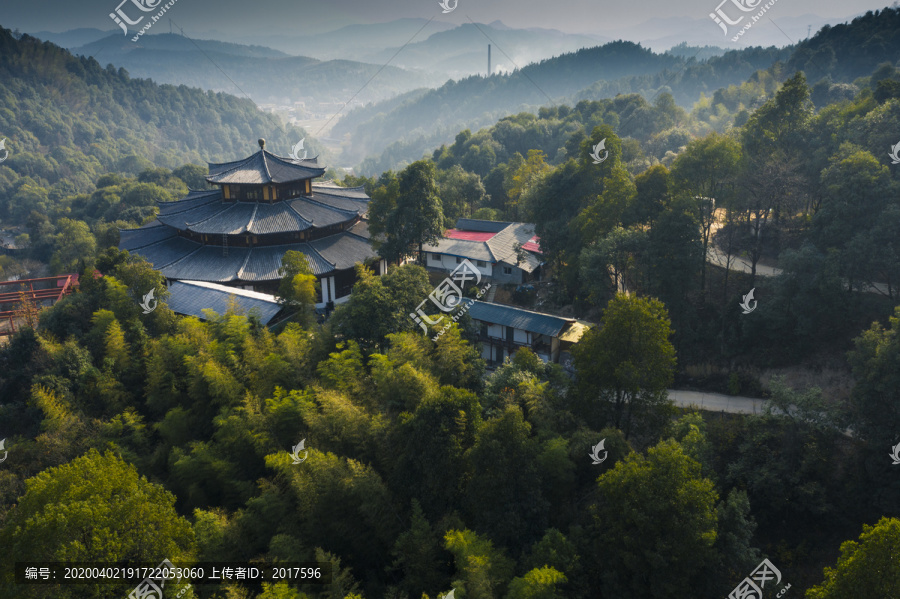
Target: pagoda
<point x="261" y="207"/>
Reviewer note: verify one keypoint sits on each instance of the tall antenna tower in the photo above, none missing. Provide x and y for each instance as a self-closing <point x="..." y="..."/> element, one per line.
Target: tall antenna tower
<point x="808" y="29"/>
<point x="489" y="60"/>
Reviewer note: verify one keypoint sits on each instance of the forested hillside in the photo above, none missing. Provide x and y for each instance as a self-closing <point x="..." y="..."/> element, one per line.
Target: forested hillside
<point x="67" y="120"/>
<point x="141" y="437"/>
<point x="832" y="55"/>
<point x="618" y="67"/>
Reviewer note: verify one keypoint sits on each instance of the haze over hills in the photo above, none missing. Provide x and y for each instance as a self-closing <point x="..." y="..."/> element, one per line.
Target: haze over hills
<point x="267" y="75"/>
<point x="399" y="133"/>
<point x="463" y="51"/>
<point x="73" y="37"/>
<point x="353" y="42"/>
<point x="661" y="34"/>
<point x="426" y="121"/>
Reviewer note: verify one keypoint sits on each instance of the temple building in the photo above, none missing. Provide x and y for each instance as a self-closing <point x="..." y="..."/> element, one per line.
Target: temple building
<point x="261" y="207"/>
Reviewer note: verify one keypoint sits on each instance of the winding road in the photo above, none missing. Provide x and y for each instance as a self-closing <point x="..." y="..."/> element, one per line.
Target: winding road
<point x="717" y="402"/>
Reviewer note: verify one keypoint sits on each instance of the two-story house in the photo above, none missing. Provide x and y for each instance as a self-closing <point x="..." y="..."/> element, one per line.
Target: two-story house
<point x="504" y="252"/>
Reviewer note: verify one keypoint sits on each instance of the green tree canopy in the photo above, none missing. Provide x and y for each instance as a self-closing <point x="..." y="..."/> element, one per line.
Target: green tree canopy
<point x="95" y="508"/>
<point x="405" y="221"/>
<point x="654" y="526"/>
<point x="866" y="569"/>
<point x="625" y="366"/>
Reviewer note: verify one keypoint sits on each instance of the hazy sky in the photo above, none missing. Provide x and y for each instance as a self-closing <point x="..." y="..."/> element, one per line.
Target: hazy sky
<point x="236" y="18"/>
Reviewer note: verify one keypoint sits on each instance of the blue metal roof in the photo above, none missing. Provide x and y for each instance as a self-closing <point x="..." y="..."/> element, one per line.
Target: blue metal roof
<point x="192" y="297"/>
<point x="544" y="324"/>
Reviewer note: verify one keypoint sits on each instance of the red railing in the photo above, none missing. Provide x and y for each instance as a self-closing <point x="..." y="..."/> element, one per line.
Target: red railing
<point x="64" y="284"/>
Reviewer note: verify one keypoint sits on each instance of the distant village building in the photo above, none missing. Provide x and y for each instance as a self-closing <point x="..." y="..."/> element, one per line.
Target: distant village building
<point x="8" y="243"/>
<point x="503" y="330"/>
<point x="262" y="207"/>
<point x="505" y="252"/>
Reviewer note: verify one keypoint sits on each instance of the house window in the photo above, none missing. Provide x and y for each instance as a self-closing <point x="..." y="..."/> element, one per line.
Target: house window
<point x="481" y="263"/>
<point x="510" y="334"/>
<point x="436" y="257"/>
<point x="484" y="329"/>
<point x="507" y="270"/>
<point x="458" y="260"/>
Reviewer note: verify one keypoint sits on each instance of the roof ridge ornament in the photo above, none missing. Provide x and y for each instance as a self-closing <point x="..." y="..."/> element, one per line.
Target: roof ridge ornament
<point x="262" y="143"/>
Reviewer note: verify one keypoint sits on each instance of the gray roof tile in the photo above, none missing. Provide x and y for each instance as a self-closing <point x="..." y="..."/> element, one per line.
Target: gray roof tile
<point x="465" y="248"/>
<point x="503" y="246"/>
<point x="167" y="251"/>
<point x="233" y="220"/>
<point x="319" y="215"/>
<point x="265" y="262"/>
<point x="182" y="220"/>
<point x="189" y="202"/>
<point x="344" y="250"/>
<point x="277" y="218"/>
<point x="499" y="248"/>
<point x="130" y="239"/>
<point x="208" y="264"/>
<point x="263" y="167"/>
<point x="330" y="188"/>
<point x="355" y="205"/>
<point x="192" y="297"/>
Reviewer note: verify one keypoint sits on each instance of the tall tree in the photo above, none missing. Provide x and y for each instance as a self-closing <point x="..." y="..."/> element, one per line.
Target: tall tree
<point x="624" y="366"/>
<point x="867" y="569"/>
<point x="875" y="399"/>
<point x="503" y="495"/>
<point x="298" y="285"/>
<point x="95" y="508"/>
<point x="705" y="171"/>
<point x="654" y="526"/>
<point x="403" y="224"/>
<point x="526" y="175"/>
<point x="481" y="570"/>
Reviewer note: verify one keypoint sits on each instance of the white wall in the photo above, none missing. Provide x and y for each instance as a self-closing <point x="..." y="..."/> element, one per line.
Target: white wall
<point x="448" y="263"/>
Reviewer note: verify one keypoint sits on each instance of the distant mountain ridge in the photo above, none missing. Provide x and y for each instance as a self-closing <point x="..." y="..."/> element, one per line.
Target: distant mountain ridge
<point x="462" y="51"/>
<point x="267" y="75"/>
<point x="402" y="133"/>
